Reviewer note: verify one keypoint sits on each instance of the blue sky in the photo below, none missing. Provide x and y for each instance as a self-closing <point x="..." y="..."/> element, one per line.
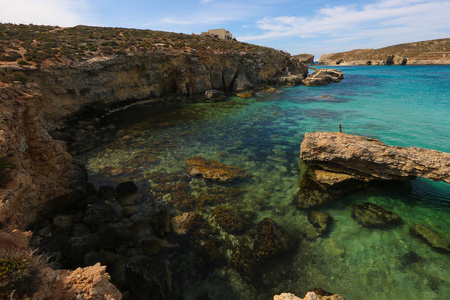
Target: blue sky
<point x="296" y="26"/>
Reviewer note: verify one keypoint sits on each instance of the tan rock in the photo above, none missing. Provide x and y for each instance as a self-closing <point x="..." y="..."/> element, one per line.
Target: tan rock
<point x="182" y="223"/>
<point x="214" y="170"/>
<point x="371" y="158"/>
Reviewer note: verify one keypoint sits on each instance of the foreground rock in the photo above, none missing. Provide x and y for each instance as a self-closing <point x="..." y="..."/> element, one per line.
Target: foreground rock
<point x="373" y="216"/>
<point x="369" y="159"/>
<point x="35" y="280"/>
<point x="430" y="237"/>
<point x="433" y="52"/>
<point x="214" y="170"/>
<point x="323" y="77"/>
<point x="317" y="294"/>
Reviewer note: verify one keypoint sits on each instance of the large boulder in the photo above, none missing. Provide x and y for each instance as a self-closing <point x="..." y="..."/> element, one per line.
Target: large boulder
<point x="367" y="158"/>
<point x="323" y="77"/>
<point x="430" y="237"/>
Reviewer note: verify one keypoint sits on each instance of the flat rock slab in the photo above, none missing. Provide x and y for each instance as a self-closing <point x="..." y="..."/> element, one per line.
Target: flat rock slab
<point x="430" y="237"/>
<point x="374" y="216"/>
<point x="371" y="158"/>
<point x="214" y="170"/>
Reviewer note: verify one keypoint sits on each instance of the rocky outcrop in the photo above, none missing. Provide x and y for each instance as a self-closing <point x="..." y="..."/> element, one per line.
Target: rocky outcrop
<point x="214" y="170"/>
<point x="323" y="77"/>
<point x="305" y="58"/>
<point x="367" y="159"/>
<point x="44" y="176"/>
<point x="102" y="82"/>
<point x="317" y="294"/>
<point x="433" y="52"/>
<point x="38" y="281"/>
<point x="430" y="237"/>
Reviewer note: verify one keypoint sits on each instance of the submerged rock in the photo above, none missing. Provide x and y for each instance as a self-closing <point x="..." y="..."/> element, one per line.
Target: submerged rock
<point x="214" y="170"/>
<point x="374" y="216"/>
<point x="181" y="224"/>
<point x="311" y="193"/>
<point x="321" y="222"/>
<point x="245" y="94"/>
<point x="430" y="237"/>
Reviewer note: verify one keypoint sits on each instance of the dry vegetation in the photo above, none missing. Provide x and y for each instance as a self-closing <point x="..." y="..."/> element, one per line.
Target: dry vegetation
<point x="36" y="45"/>
<point x="432" y="49"/>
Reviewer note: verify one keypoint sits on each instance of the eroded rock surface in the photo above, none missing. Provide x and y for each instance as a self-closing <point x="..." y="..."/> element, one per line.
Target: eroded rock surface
<point x="430" y="237"/>
<point x="214" y="170"/>
<point x="368" y="158"/>
<point x="374" y="216"/>
<point x="323" y="77"/>
<point x="317" y="294"/>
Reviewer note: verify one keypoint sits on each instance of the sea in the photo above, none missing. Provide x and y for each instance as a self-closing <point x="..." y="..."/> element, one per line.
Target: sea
<point x="406" y="106"/>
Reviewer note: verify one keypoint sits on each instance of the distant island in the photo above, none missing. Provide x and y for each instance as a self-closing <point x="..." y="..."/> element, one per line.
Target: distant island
<point x="432" y="52"/>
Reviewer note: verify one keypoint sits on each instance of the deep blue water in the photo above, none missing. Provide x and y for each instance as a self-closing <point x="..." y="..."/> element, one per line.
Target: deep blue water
<point x="400" y="105"/>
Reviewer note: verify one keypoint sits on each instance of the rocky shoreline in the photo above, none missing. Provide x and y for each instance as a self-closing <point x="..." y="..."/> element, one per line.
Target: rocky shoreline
<point x="433" y="52"/>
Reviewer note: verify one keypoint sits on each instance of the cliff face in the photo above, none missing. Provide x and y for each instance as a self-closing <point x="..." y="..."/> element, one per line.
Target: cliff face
<point x="45" y="176"/>
<point x="103" y="81"/>
<point x="434" y="52"/>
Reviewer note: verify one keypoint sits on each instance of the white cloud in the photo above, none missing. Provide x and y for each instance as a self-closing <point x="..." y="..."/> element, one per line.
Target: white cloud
<point x="43" y="12"/>
<point x="380" y="20"/>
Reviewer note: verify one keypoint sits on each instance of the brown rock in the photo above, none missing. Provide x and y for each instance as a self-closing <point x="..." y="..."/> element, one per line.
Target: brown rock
<point x="322" y="77"/>
<point x="214" y="170"/>
<point x="371" y="158"/>
<point x="182" y="224"/>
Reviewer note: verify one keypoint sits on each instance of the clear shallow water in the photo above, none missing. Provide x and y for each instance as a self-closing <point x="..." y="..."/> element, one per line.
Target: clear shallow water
<point x="400" y="105"/>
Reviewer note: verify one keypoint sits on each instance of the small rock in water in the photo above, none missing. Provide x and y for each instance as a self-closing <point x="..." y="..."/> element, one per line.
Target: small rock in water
<point x="430" y="237"/>
<point x="374" y="216"/>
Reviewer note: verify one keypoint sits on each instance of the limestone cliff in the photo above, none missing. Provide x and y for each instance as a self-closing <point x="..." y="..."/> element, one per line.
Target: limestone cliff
<point x="103" y="81"/>
<point x="43" y="175"/>
<point x="433" y="52"/>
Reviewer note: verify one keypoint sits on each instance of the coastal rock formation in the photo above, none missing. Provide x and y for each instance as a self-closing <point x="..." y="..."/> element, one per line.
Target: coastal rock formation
<point x="373" y="216"/>
<point x="101" y="82"/>
<point x="323" y="77"/>
<point x="430" y="237"/>
<point x="38" y="281"/>
<point x="305" y="58"/>
<point x="370" y="159"/>
<point x="64" y="88"/>
<point x="44" y="175"/>
<point x="316" y="294"/>
<point x="433" y="52"/>
<point x="214" y="170"/>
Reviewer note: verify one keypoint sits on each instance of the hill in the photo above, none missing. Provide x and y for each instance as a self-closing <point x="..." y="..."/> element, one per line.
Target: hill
<point x="33" y="45"/>
<point x="432" y="52"/>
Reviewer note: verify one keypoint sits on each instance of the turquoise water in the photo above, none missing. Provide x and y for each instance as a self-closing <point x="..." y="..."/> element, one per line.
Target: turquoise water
<point x="400" y="105"/>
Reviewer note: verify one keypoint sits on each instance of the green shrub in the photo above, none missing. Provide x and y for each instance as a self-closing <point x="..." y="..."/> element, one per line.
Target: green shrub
<point x="19" y="274"/>
<point x="14" y="76"/>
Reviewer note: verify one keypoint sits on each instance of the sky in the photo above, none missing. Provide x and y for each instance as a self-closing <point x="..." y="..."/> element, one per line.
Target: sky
<point x="295" y="26"/>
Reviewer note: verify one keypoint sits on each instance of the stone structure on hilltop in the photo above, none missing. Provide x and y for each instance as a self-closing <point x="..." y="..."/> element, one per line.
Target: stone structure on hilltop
<point x="221" y="33"/>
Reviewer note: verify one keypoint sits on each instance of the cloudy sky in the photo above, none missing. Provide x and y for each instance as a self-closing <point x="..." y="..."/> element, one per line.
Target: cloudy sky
<point x="296" y="26"/>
